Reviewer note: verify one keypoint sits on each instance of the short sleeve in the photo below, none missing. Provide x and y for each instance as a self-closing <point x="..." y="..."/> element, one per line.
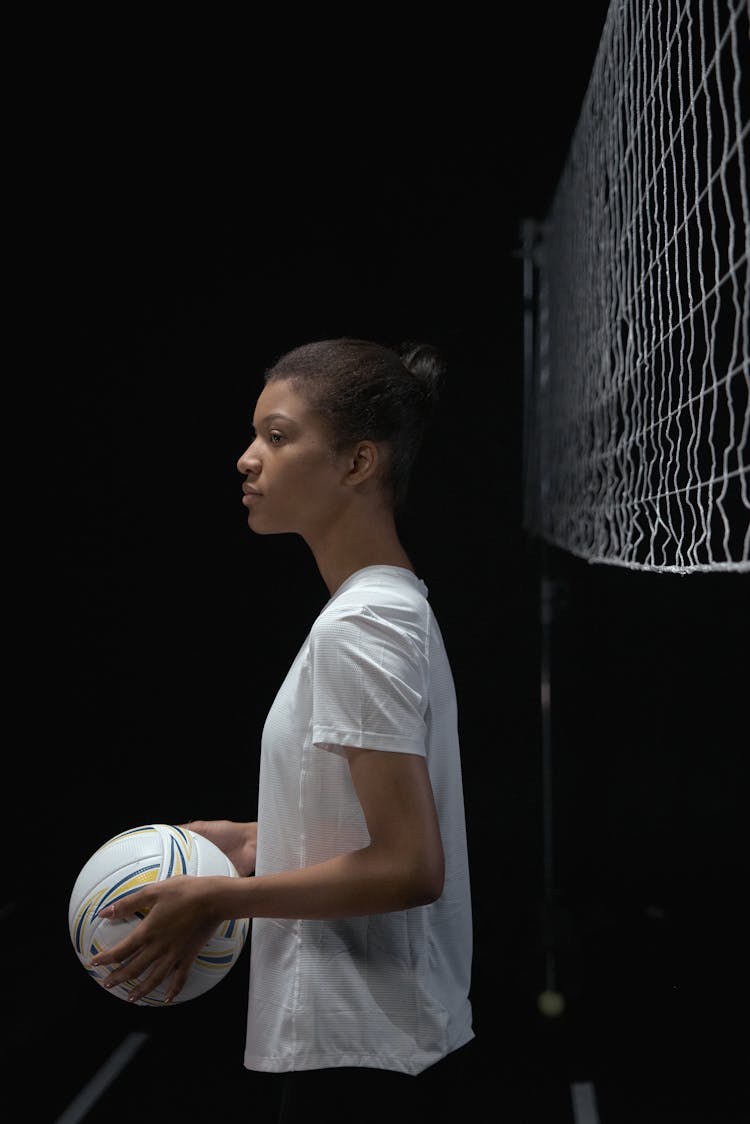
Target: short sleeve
<point x="369" y="683"/>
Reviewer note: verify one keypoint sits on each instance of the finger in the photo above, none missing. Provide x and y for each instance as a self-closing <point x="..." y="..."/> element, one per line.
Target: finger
<point x="130" y="905"/>
<point x="173" y="975"/>
<point x="123" y="967"/>
<point x="179" y="979"/>
<point x="118" y="953"/>
<point x="135" y="968"/>
<point x="198" y="827"/>
<point x="158" y="972"/>
<point x="182" y="966"/>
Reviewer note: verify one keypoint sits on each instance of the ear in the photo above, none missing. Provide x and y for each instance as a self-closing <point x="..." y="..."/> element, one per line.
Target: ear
<point x="363" y="462"/>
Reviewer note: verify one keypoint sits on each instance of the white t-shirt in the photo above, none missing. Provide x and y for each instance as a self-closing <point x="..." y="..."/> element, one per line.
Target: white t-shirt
<point x="390" y="990"/>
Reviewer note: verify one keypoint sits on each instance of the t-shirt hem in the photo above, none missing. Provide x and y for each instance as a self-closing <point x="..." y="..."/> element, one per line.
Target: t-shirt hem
<point x="326" y="1061"/>
<point x="289" y="1063"/>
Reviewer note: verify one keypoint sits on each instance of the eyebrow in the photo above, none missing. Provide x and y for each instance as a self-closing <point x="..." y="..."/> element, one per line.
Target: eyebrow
<point x="276" y="414"/>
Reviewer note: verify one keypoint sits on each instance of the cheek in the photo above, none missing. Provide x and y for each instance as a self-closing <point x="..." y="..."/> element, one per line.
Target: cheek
<point x="316" y="474"/>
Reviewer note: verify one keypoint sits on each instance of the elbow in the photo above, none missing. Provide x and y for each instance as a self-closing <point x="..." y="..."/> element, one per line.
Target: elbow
<point x="427" y="882"/>
<point x="405" y="881"/>
<point x="434" y="889"/>
<point x="426" y="896"/>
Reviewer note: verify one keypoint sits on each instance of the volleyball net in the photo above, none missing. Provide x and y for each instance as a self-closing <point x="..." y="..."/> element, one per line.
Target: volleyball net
<point x="637" y="298"/>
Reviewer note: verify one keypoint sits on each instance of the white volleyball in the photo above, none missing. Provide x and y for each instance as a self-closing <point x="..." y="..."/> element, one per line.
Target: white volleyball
<point x="128" y="862"/>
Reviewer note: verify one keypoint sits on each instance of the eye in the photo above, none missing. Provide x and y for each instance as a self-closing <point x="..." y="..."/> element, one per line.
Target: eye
<point x="275" y="437"/>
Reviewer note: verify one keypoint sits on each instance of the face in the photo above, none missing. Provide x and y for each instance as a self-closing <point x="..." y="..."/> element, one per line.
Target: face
<point x="292" y="480"/>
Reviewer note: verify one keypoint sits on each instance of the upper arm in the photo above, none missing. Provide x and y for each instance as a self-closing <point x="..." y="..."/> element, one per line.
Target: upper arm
<point x="397" y="801"/>
<point x="370" y="683"/>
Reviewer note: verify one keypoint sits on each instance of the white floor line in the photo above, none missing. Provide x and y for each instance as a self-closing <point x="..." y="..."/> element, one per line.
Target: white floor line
<point x="84" y="1101"/>
<point x="584" y="1103"/>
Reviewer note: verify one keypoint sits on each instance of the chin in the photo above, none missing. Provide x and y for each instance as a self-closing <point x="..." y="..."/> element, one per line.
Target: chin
<point x="259" y="528"/>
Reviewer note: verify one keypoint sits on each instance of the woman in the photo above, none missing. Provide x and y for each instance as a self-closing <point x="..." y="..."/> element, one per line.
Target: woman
<point x="362" y="931"/>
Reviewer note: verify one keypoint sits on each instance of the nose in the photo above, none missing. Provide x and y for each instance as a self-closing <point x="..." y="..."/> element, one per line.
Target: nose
<point x="249" y="462"/>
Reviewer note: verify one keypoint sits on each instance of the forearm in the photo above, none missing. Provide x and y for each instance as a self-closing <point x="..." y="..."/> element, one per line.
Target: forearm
<point x="351" y="885"/>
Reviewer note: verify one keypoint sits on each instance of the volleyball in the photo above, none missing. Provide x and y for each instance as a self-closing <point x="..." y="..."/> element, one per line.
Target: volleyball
<point x="128" y="862"/>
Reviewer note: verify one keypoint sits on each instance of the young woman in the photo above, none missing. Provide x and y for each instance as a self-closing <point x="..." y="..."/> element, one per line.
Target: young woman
<point x="362" y="934"/>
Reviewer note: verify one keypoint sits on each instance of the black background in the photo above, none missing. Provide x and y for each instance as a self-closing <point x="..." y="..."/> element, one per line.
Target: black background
<point x="184" y="219"/>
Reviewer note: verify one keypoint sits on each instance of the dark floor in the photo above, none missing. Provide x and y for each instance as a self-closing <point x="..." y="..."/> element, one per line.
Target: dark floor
<point x="654" y="1022"/>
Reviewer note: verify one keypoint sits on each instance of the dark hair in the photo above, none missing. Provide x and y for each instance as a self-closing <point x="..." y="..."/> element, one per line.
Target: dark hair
<point x="364" y="390"/>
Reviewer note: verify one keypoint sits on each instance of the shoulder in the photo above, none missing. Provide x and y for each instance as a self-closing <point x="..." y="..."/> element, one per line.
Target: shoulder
<point x="378" y="604"/>
<point x="377" y="626"/>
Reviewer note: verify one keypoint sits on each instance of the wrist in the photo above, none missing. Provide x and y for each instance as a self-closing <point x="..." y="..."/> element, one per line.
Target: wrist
<point x="226" y="898"/>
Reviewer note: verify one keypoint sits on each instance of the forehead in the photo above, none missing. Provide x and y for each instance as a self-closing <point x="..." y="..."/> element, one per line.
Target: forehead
<point x="280" y="397"/>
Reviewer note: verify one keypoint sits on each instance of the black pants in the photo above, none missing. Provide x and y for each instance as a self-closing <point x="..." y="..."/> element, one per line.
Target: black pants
<point x="366" y="1096"/>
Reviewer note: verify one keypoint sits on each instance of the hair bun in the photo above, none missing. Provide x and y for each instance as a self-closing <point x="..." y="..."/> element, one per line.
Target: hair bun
<point x="425" y="362"/>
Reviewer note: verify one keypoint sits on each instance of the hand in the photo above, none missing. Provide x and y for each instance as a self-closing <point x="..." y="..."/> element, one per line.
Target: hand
<point x="238" y="841"/>
<point x="178" y="922"/>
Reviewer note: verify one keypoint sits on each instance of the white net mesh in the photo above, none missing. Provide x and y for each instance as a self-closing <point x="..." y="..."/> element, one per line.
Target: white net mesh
<point x="638" y="361"/>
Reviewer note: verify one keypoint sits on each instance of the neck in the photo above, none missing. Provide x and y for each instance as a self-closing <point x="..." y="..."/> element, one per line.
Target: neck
<point x="357" y="542"/>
